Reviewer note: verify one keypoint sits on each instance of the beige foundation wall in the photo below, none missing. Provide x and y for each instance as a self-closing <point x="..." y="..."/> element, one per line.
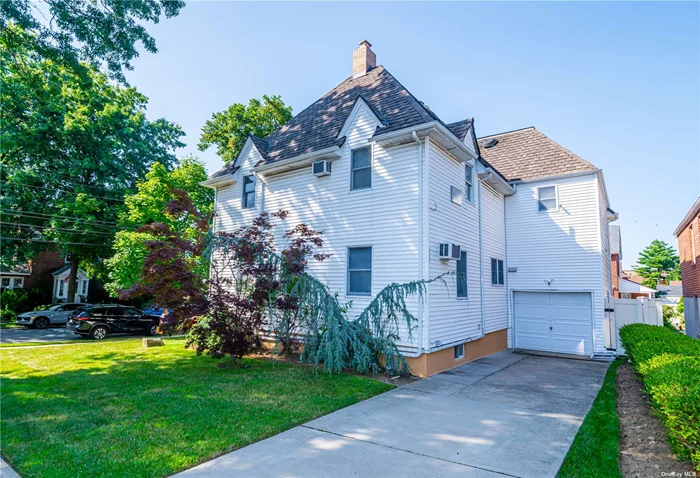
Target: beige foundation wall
<point x="430" y="364"/>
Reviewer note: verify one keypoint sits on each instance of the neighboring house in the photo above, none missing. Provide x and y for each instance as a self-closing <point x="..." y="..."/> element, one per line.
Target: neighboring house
<point x="43" y="273"/>
<point x="671" y="293"/>
<point x="689" y="251"/>
<point x="615" y="259"/>
<point x="60" y="285"/>
<point x="13" y="277"/>
<point x="631" y="290"/>
<point x="528" y="219"/>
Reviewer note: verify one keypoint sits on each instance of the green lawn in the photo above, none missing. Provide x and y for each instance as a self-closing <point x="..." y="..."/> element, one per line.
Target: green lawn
<point x="595" y="450"/>
<point x="31" y="344"/>
<point x="116" y="409"/>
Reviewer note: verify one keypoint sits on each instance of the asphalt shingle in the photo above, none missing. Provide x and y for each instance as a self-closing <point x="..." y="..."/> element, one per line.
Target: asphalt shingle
<point x="529" y="154"/>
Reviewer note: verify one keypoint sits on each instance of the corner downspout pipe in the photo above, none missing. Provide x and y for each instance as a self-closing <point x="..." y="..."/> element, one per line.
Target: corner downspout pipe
<point x="421" y="239"/>
<point x="481" y="257"/>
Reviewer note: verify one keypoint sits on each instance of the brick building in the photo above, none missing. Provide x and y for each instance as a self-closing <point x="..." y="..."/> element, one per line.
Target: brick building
<point x="689" y="250"/>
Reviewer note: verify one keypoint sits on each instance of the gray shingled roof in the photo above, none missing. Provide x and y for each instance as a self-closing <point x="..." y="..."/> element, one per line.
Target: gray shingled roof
<point x="461" y="128"/>
<point x="317" y="126"/>
<point x="529" y="154"/>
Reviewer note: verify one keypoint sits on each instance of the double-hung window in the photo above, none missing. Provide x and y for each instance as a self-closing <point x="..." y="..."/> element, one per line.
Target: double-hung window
<point x="469" y="183"/>
<point x="547" y="198"/>
<point x="462" y="275"/>
<point x="248" y="200"/>
<point x="497" y="272"/>
<point x="361" y="168"/>
<point x="5" y="282"/>
<point x="359" y="271"/>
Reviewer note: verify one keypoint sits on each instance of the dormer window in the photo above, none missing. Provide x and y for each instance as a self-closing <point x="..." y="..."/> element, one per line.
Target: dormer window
<point x="248" y="200"/>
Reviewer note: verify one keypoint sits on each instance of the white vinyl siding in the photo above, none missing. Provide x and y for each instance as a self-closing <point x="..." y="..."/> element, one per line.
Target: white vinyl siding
<point x="562" y="246"/>
<point x="494" y="246"/>
<point x="385" y="216"/>
<point x="450" y="321"/>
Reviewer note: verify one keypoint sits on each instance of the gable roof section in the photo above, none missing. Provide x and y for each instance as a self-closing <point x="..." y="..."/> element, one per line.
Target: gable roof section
<point x="528" y="154"/>
<point x="461" y="128"/>
<point x="317" y="127"/>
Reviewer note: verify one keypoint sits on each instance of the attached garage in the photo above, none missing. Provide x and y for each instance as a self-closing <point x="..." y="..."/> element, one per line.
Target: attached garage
<point x="553" y="322"/>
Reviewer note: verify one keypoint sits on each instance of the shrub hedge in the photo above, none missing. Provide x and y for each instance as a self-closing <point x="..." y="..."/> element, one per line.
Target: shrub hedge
<point x="669" y="364"/>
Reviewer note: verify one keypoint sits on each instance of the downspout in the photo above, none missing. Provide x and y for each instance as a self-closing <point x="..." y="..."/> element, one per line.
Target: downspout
<point x="481" y="259"/>
<point x="421" y="240"/>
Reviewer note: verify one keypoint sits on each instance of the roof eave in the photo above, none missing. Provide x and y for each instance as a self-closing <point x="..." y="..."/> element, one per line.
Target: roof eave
<point x="695" y="208"/>
<point x="217" y="182"/>
<point x="331" y="154"/>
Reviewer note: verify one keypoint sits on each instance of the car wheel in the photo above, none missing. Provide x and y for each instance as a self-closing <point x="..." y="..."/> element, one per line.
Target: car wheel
<point x="153" y="329"/>
<point x="99" y="332"/>
<point x="41" y="322"/>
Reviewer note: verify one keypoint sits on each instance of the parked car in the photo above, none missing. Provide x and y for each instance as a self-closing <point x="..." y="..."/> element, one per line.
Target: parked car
<point x="56" y="315"/>
<point x="153" y="310"/>
<point x="98" y="321"/>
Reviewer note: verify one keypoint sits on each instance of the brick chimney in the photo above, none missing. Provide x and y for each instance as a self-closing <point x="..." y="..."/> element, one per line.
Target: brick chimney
<point x="363" y="59"/>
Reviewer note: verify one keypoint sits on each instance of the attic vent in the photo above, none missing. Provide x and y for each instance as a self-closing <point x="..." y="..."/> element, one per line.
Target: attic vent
<point x="490" y="143"/>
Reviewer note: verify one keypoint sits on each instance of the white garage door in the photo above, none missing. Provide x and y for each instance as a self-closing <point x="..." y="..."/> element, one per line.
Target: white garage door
<point x="553" y="321"/>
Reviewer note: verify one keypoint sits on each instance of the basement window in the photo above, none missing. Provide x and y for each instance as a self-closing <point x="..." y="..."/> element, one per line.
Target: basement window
<point x="459" y="351"/>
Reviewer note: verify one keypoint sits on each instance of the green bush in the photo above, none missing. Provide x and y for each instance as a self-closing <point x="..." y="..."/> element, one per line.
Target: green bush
<point x="669" y="364"/>
<point x="12" y="299"/>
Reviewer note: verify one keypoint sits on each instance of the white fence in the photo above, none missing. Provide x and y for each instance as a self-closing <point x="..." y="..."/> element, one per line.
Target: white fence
<point x="634" y="311"/>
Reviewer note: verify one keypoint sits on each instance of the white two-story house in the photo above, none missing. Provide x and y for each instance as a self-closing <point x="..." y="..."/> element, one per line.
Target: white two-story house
<point x="400" y="195"/>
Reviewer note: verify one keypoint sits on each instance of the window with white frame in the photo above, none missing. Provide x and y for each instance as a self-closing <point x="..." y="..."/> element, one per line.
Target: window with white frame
<point x="17" y="282"/>
<point x="692" y="244"/>
<point x="361" y="168"/>
<point x="497" y="272"/>
<point x="547" y="198"/>
<point x="60" y="288"/>
<point x="455" y="195"/>
<point x="469" y="183"/>
<point x="359" y="271"/>
<point x="462" y="275"/>
<point x="5" y="283"/>
<point x="459" y="351"/>
<point x="248" y="200"/>
<point x="83" y="287"/>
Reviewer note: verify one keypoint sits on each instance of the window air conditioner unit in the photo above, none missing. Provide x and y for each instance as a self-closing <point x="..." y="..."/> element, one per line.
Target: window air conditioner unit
<point x="449" y="252"/>
<point x="321" y="168"/>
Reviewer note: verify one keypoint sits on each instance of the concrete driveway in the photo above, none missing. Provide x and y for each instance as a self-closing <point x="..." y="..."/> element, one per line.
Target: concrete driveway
<point x="504" y="415"/>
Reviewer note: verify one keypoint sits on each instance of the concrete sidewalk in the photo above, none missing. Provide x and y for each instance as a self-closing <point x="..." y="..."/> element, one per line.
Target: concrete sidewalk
<point x="504" y="415"/>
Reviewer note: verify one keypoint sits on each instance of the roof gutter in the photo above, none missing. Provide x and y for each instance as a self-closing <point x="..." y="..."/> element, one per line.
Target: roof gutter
<point x="218" y="181"/>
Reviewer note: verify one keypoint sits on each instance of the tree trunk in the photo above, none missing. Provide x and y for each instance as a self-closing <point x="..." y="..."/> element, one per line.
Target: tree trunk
<point x="72" y="278"/>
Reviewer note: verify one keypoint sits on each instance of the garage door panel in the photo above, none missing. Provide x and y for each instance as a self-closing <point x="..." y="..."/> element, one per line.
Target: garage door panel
<point x="553" y="321"/>
<point x="571" y="313"/>
<point x="571" y="345"/>
<point x="533" y="341"/>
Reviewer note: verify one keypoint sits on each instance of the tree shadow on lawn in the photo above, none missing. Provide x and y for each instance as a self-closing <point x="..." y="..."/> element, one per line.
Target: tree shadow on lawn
<point x="147" y="413"/>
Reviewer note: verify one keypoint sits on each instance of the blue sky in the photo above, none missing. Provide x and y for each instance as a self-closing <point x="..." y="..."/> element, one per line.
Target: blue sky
<point x="617" y="83"/>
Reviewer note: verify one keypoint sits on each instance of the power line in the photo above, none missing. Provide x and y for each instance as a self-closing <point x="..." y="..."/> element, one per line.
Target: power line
<point x="29" y="214"/>
<point x="55" y="228"/>
<point x="47" y="176"/>
<point x="63" y="191"/>
<point x="50" y="242"/>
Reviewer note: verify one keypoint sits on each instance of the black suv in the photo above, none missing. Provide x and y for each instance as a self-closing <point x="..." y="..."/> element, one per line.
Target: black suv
<point x="98" y="321"/>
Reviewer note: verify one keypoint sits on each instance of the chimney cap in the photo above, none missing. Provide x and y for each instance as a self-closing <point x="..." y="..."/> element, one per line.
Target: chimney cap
<point x="365" y="42"/>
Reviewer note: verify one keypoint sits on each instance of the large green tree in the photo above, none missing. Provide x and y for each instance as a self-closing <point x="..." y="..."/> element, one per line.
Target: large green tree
<point x="149" y="205"/>
<point x="104" y="33"/>
<point x="229" y="129"/>
<point x="71" y="148"/>
<point x="658" y="261"/>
